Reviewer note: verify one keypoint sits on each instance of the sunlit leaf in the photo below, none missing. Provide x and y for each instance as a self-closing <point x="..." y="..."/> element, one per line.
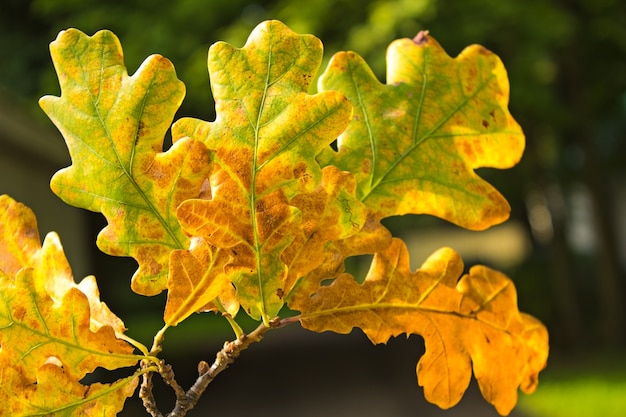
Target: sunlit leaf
<point x="56" y="394"/>
<point x="19" y="237"/>
<point x="45" y="318"/>
<point x="329" y="213"/>
<point x="415" y="141"/>
<point x="114" y="125"/>
<point x="196" y="278"/>
<point x="469" y="325"/>
<point x="263" y="142"/>
<point x="20" y="248"/>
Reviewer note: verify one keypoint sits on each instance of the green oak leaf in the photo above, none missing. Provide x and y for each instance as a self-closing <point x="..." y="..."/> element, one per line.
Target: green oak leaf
<point x="415" y="141"/>
<point x="114" y="125"/>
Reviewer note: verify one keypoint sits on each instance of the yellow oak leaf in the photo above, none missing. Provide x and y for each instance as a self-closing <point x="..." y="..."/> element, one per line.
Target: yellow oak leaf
<point x="471" y="324"/>
<point x="19" y="236"/>
<point x="263" y="145"/>
<point x="55" y="393"/>
<point x="20" y="247"/>
<point x="114" y="125"/>
<point x="45" y="318"/>
<point x="34" y="327"/>
<point x="414" y="142"/>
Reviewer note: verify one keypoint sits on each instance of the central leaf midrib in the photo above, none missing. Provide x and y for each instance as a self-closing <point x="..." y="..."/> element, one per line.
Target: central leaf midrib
<point x="374" y="307"/>
<point x="255" y="168"/>
<point x="374" y="183"/>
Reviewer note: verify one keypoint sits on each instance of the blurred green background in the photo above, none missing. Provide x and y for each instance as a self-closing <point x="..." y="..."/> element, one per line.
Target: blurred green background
<point x="565" y="245"/>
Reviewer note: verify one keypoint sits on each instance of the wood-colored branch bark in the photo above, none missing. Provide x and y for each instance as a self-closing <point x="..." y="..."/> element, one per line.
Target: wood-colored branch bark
<point x="145" y="393"/>
<point x="186" y="400"/>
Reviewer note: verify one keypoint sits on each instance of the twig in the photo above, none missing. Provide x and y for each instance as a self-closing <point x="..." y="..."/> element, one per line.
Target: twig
<point x="146" y="395"/>
<point x="167" y="373"/>
<point x="223" y="359"/>
<point x="185" y="401"/>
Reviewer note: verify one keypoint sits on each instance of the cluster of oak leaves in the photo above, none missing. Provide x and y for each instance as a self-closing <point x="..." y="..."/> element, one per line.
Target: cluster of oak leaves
<point x="254" y="210"/>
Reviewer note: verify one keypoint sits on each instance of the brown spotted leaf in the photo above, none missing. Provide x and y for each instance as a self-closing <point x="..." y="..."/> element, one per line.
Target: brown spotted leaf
<point x="330" y="213"/>
<point x="114" y="125"/>
<point x="196" y="278"/>
<point x="264" y="142"/>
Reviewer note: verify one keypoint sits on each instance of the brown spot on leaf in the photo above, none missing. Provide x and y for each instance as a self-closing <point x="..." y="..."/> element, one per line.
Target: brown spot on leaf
<point x="19" y="313"/>
<point x="205" y="190"/>
<point x="483" y="51"/>
<point x="468" y="151"/>
<point x="299" y="170"/>
<point x="485" y="124"/>
<point x="366" y="166"/>
<point x="261" y="206"/>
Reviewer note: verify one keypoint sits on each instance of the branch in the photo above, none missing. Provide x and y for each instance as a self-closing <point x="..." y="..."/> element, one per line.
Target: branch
<point x="145" y="393"/>
<point x="185" y="401"/>
<point x="223" y="359"/>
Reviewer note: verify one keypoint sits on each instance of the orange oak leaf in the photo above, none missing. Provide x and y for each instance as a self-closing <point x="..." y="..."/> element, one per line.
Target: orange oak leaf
<point x="414" y="142"/>
<point x="263" y="143"/>
<point x="330" y="213"/>
<point x="114" y="125"/>
<point x="471" y="324"/>
<point x="254" y="265"/>
<point x="371" y="238"/>
<point x="196" y="278"/>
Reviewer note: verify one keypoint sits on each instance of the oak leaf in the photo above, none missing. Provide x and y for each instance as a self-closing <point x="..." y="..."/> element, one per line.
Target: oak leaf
<point x="114" y="125"/>
<point x="471" y="324"/>
<point x="330" y="213"/>
<point x="196" y="279"/>
<point x="20" y="247"/>
<point x="264" y="141"/>
<point x="48" y="323"/>
<point x="414" y="142"/>
<point x="56" y="394"/>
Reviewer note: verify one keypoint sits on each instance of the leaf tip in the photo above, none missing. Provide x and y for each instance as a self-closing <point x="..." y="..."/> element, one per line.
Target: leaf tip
<point x="421" y="38"/>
